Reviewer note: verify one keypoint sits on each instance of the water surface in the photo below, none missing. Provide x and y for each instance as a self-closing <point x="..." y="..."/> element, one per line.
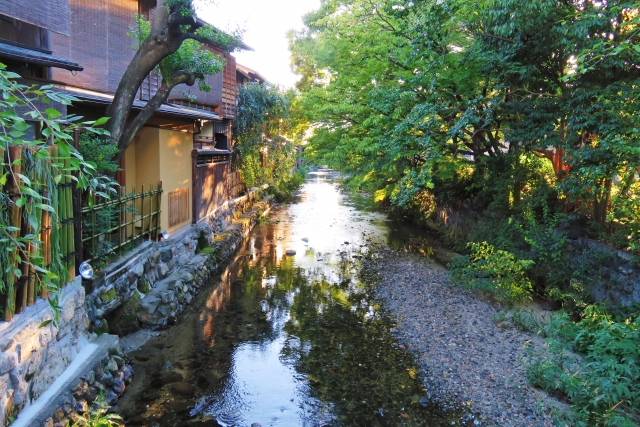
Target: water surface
<point x="289" y="340"/>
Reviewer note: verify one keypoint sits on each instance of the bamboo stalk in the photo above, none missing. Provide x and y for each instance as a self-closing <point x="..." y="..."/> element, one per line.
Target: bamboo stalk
<point x="45" y="237"/>
<point x="133" y="215"/>
<point x="119" y="218"/>
<point x="31" y="274"/>
<point x="142" y="214"/>
<point x="93" y="231"/>
<point x="71" y="262"/>
<point x="61" y="223"/>
<point x="15" y="153"/>
<point x="158" y="227"/>
<point x="151" y="212"/>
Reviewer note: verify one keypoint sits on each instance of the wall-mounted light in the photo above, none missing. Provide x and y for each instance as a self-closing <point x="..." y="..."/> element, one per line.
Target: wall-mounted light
<point x="85" y="270"/>
<point x="165" y="235"/>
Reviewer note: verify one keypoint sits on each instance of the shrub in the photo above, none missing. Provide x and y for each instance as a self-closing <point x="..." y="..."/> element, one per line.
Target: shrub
<point x="496" y="272"/>
<point x="98" y="416"/>
<point x="595" y="363"/>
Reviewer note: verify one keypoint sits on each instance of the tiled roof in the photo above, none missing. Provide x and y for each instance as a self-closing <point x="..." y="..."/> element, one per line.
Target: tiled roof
<point x="166" y="108"/>
<point x="32" y="56"/>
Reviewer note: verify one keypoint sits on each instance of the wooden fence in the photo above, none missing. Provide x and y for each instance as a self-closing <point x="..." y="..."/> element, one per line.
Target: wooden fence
<point x="237" y="187"/>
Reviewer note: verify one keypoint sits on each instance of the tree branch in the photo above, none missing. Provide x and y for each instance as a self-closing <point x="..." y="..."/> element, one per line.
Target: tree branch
<point x="152" y="106"/>
<point x="177" y="19"/>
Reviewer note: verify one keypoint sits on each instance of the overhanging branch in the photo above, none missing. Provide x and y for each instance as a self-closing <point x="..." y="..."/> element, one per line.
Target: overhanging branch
<point x="152" y="106"/>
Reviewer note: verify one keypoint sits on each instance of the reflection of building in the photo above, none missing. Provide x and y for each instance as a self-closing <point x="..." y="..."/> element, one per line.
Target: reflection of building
<point x="82" y="47"/>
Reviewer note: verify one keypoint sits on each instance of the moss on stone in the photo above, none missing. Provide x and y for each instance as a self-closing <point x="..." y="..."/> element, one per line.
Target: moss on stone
<point x="143" y="285"/>
<point x="101" y="327"/>
<point x="108" y="296"/>
<point x="124" y="320"/>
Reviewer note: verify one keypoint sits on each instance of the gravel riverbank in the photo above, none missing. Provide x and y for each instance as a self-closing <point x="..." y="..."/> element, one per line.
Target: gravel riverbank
<point x="466" y="356"/>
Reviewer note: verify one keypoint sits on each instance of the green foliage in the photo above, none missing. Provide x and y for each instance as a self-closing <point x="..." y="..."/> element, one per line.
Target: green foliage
<point x="466" y="103"/>
<point x="102" y="254"/>
<point x="623" y="217"/>
<point x="262" y="108"/>
<point x="98" y="416"/>
<point x="267" y="128"/>
<point x="98" y="153"/>
<point x="523" y="320"/>
<point x="190" y="57"/>
<point x="40" y="171"/>
<point x="495" y="272"/>
<point x="468" y="100"/>
<point x="595" y="363"/>
<point x="195" y="60"/>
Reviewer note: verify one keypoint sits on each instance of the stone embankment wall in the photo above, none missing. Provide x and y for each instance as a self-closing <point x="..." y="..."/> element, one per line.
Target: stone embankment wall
<point x="614" y="276"/>
<point x="154" y="284"/>
<point x="33" y="356"/>
<point x="107" y="380"/>
<point x="146" y="289"/>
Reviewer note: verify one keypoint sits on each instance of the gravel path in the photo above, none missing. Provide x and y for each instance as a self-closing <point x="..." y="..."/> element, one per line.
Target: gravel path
<point x="465" y="355"/>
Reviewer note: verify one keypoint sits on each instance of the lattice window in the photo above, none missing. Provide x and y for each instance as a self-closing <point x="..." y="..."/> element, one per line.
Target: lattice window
<point x="178" y="206"/>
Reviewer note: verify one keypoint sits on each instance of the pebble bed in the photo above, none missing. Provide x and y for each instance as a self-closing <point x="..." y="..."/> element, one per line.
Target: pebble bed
<point x="467" y="359"/>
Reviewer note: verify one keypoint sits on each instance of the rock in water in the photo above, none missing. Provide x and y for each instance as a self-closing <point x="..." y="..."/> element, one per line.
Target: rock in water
<point x="183" y="388"/>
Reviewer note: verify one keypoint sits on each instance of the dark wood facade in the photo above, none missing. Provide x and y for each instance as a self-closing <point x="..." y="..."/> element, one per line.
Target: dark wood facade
<point x="93" y="34"/>
<point x="214" y="181"/>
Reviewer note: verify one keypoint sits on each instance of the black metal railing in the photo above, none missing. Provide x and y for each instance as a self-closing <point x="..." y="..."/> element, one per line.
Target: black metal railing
<point x="121" y="223"/>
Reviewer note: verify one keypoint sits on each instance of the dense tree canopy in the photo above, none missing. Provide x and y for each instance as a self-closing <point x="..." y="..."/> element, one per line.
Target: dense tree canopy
<point x="459" y="98"/>
<point x="268" y="128"/>
<point x="524" y="113"/>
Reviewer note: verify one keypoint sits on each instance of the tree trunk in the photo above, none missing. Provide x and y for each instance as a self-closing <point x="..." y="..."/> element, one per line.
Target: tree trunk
<point x="152" y="106"/>
<point x="601" y="203"/>
<point x="165" y="38"/>
<point x="628" y="181"/>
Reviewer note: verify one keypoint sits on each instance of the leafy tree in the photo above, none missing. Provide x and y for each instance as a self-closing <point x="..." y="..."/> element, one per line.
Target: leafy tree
<point x="446" y="97"/>
<point x="172" y="42"/>
<point x="268" y="130"/>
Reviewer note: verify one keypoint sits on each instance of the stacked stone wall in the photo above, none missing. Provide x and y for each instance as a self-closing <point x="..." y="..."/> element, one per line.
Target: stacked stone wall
<point x="36" y="350"/>
<point x="106" y="380"/>
<point x="153" y="285"/>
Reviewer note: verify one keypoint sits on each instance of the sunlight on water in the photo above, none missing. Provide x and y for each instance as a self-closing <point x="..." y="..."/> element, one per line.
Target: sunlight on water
<point x="294" y="340"/>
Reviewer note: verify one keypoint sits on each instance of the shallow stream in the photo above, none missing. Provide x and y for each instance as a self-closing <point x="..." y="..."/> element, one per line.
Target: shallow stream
<point x="283" y="340"/>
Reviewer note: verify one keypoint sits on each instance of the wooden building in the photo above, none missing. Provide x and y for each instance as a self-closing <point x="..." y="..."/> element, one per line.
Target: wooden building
<point x="82" y="47"/>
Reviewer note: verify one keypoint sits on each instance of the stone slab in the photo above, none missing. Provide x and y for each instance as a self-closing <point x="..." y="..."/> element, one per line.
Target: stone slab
<point x="37" y="413"/>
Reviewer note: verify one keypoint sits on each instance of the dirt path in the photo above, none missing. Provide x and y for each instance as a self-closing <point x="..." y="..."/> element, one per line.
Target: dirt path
<point x="464" y="353"/>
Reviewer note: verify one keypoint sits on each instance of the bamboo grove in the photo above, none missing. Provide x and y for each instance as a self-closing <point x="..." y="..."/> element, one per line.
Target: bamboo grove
<point x="517" y="106"/>
<point x="39" y="171"/>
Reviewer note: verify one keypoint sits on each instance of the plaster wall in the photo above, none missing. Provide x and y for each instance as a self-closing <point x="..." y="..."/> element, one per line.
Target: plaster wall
<point x="147" y="167"/>
<point x="130" y="167"/>
<point x="174" y="151"/>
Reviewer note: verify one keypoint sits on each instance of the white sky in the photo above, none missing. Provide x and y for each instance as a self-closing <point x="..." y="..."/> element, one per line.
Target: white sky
<point x="266" y="23"/>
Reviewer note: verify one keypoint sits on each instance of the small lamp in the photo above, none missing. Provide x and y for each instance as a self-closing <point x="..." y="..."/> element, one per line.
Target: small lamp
<point x="85" y="270"/>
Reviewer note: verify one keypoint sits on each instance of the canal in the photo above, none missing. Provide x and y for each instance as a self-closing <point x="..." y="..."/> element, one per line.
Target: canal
<point x="289" y="340"/>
